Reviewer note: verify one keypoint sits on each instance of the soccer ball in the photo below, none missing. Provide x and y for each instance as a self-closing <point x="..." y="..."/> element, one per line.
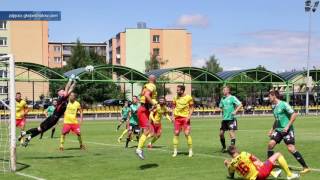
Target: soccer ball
<point x="89" y="68"/>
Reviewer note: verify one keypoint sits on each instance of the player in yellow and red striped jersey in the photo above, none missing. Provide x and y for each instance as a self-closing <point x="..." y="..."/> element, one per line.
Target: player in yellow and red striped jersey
<point x="156" y="117"/>
<point x="71" y="122"/>
<point x="21" y="111"/>
<point x="251" y="168"/>
<point x="182" y="111"/>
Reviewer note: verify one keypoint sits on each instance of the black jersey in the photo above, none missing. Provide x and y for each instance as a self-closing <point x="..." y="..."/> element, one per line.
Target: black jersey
<point x="61" y="106"/>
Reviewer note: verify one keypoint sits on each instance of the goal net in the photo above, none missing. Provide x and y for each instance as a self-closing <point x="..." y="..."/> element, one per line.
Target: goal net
<point x="7" y="116"/>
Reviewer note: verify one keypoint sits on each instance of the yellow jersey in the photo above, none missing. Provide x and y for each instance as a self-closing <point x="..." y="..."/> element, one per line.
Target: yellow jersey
<point x="182" y="105"/>
<point x="151" y="87"/>
<point x="20" y="109"/>
<point x="244" y="166"/>
<point x="157" y="114"/>
<point x="70" y="116"/>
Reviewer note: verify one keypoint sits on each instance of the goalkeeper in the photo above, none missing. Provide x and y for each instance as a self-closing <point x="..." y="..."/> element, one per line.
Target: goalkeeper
<point x="52" y="120"/>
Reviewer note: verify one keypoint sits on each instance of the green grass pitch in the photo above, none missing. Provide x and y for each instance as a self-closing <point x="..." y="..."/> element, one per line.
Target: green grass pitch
<point x="105" y="158"/>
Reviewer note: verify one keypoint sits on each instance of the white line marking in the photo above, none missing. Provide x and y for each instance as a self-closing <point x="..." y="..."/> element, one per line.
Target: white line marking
<point x="166" y="150"/>
<point x="29" y="176"/>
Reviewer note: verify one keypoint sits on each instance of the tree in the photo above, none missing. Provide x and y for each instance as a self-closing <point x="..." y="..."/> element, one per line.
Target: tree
<point x="209" y="92"/>
<point x="88" y="92"/>
<point x="153" y="64"/>
<point x="212" y="65"/>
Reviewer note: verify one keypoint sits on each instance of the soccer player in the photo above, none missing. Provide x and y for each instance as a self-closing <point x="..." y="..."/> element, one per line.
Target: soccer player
<point x="124" y="114"/>
<point x="230" y="105"/>
<point x="21" y="111"/>
<point x="48" y="112"/>
<point x="183" y="109"/>
<point x="124" y="117"/>
<point x="250" y="167"/>
<point x="156" y="117"/>
<point x="52" y="120"/>
<point x="133" y="126"/>
<point x="70" y="121"/>
<point x="282" y="128"/>
<point x="147" y="102"/>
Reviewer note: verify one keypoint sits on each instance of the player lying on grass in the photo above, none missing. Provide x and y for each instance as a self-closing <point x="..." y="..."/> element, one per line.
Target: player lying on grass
<point x="251" y="168"/>
<point x="70" y="122"/>
<point x="132" y="126"/>
<point x="52" y="120"/>
<point x="283" y="129"/>
<point x="156" y="117"/>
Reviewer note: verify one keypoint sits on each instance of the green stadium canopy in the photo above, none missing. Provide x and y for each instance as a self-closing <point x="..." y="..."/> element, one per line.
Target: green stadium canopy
<point x="197" y="75"/>
<point x="103" y="73"/>
<point x="251" y="76"/>
<point x="44" y="71"/>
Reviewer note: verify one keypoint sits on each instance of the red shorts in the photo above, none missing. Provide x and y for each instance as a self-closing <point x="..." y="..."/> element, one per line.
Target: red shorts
<point x="181" y="123"/>
<point x="20" y="122"/>
<point x="143" y="116"/>
<point x="265" y="170"/>
<point x="75" y="128"/>
<point x="156" y="129"/>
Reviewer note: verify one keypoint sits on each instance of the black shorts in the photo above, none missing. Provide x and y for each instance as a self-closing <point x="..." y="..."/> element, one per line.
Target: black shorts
<point x="227" y="125"/>
<point x="49" y="123"/>
<point x="288" y="137"/>
<point x="134" y="128"/>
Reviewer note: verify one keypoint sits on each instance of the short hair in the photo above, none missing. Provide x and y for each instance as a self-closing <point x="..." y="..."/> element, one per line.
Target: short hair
<point x="232" y="150"/>
<point x="75" y="94"/>
<point x="274" y="93"/>
<point x="182" y="87"/>
<point x="18" y="93"/>
<point x="228" y="87"/>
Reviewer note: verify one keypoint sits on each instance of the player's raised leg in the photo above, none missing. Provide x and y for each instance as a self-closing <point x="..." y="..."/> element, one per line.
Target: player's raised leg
<point x="148" y="102"/>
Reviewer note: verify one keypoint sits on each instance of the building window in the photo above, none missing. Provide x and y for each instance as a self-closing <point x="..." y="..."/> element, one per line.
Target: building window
<point x="3" y="24"/>
<point x="156" y="52"/>
<point x="3" y="41"/>
<point x="3" y="89"/>
<point x="156" y="38"/>
<point x="3" y="74"/>
<point x="57" y="59"/>
<point x="57" y="48"/>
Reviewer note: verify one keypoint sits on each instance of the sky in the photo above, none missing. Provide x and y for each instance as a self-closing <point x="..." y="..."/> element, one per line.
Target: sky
<point x="242" y="34"/>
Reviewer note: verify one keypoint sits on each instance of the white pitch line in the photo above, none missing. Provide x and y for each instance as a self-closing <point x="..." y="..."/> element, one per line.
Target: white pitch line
<point x="166" y="150"/>
<point x="29" y="176"/>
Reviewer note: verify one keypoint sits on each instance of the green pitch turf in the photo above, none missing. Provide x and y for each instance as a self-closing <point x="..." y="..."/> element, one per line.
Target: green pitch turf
<point x="105" y="158"/>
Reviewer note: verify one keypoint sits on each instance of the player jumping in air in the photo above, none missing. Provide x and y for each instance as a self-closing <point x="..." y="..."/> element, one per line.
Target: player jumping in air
<point x="156" y="117"/>
<point x="147" y="102"/>
<point x="70" y="121"/>
<point x="133" y="126"/>
<point x="282" y="128"/>
<point x="251" y="168"/>
<point x="51" y="121"/>
<point x="183" y="109"/>
<point x="230" y="105"/>
<point x="48" y="112"/>
<point x="124" y="117"/>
